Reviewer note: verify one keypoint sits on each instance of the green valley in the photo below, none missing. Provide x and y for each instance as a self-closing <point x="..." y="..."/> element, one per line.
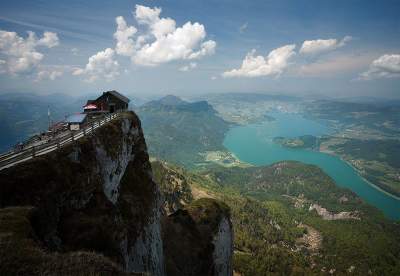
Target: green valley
<point x="276" y="232"/>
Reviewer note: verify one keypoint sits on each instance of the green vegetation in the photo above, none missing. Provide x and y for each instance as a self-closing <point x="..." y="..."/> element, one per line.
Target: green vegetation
<point x="387" y="151"/>
<point x="302" y="142"/>
<point x="176" y="189"/>
<point x="367" y="136"/>
<point x="180" y="132"/>
<point x="377" y="160"/>
<point x="370" y="120"/>
<point x="275" y="233"/>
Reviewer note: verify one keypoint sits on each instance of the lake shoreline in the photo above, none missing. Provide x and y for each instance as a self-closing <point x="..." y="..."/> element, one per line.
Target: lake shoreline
<point x="359" y="174"/>
<point x="253" y="143"/>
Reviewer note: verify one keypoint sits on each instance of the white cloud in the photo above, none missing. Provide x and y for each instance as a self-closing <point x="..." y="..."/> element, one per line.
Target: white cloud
<point x="158" y="41"/>
<point x="147" y="16"/>
<point x="189" y="67"/>
<point x="125" y="44"/>
<point x="162" y="27"/>
<point x="20" y="55"/>
<point x="323" y="45"/>
<point x="206" y="49"/>
<point x="386" y="66"/>
<point x="49" y="40"/>
<point x="100" y="66"/>
<point x="255" y="66"/>
<point x="333" y="65"/>
<point x="161" y="41"/>
<point x="173" y="46"/>
<point x="48" y="75"/>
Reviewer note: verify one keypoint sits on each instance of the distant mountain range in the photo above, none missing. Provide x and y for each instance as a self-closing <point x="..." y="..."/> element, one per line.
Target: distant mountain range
<point x="171" y="102"/>
<point x="248" y="97"/>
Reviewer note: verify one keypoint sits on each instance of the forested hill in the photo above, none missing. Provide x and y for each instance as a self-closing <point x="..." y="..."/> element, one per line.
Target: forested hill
<point x="179" y="131"/>
<point x="291" y="219"/>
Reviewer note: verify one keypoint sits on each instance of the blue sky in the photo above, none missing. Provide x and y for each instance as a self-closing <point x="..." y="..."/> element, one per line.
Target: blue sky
<point x="327" y="48"/>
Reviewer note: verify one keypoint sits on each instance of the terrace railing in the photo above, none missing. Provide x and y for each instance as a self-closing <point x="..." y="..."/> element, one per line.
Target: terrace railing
<point x="14" y="157"/>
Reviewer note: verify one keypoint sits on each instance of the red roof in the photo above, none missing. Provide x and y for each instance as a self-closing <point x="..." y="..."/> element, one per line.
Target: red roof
<point x="90" y="106"/>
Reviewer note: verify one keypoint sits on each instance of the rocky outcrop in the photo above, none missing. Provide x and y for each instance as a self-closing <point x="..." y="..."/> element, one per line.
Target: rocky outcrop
<point x="326" y="215"/>
<point x="96" y="195"/>
<point x="202" y="226"/>
<point x="223" y="248"/>
<point x="174" y="186"/>
<point x="205" y="244"/>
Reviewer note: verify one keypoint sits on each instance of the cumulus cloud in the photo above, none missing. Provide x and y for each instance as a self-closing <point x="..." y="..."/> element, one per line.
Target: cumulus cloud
<point x="386" y="66"/>
<point x="125" y="44"/>
<point x="206" y="49"/>
<point x="255" y="66"/>
<point x="323" y="45"/>
<point x="49" y="40"/>
<point x="174" y="46"/>
<point x="146" y="15"/>
<point x="20" y="55"/>
<point x="161" y="40"/>
<point x="189" y="67"/>
<point x="100" y="66"/>
<point x="48" y="75"/>
<point x="157" y="40"/>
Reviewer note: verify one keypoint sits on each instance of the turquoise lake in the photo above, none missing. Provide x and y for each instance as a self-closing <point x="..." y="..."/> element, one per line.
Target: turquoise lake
<point x="253" y="144"/>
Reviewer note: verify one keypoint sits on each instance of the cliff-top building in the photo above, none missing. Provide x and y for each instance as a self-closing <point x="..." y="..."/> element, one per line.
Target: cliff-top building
<point x="109" y="101"/>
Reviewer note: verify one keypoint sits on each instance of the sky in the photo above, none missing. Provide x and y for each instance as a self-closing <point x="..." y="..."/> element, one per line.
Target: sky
<point x="341" y="48"/>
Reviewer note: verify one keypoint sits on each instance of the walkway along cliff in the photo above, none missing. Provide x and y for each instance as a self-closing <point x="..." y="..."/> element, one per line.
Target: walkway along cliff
<point x="92" y="207"/>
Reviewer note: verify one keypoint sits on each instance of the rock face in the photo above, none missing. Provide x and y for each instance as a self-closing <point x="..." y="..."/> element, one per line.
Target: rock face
<point x="205" y="244"/>
<point x="96" y="195"/>
<point x="223" y="248"/>
<point x="203" y="226"/>
<point x="326" y="215"/>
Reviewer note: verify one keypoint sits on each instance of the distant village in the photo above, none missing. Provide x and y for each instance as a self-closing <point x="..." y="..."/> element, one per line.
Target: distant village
<point x="107" y="103"/>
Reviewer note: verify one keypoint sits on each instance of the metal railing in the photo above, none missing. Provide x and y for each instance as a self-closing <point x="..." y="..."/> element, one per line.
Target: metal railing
<point x="12" y="158"/>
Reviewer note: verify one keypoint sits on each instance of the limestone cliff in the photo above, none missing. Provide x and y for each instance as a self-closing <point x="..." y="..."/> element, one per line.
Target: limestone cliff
<point x="93" y="199"/>
<point x="203" y="227"/>
<point x="205" y="244"/>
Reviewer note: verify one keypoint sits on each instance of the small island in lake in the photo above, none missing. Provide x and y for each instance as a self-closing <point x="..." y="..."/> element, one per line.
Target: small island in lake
<point x="301" y="142"/>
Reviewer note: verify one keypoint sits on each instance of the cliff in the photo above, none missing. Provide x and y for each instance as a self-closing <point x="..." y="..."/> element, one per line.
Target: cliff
<point x="95" y="197"/>
<point x="203" y="227"/>
<point x="95" y="208"/>
<point x="205" y="244"/>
